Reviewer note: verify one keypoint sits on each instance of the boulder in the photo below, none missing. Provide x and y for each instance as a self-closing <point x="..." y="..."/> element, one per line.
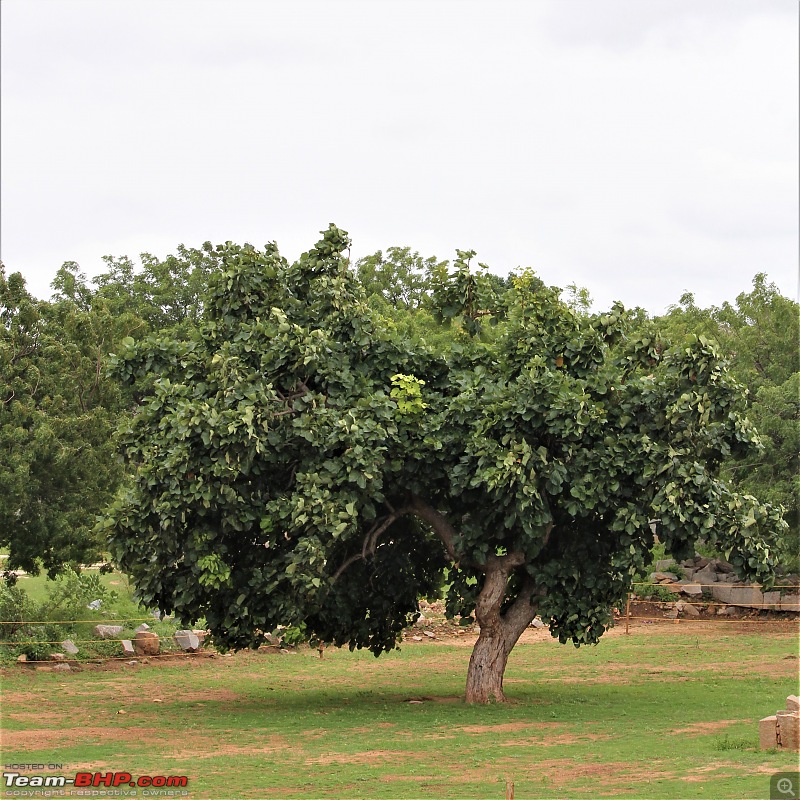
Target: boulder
<point x="700" y="562"/>
<point x="663" y="576"/>
<point x="722" y="566"/>
<point x="69" y="646"/>
<point x="752" y="597"/>
<point x="689" y="587"/>
<point x="705" y="576"/>
<point x="537" y="622"/>
<point x="187" y="641"/>
<point x="146" y="643"/>
<point x="127" y="648"/>
<point x="108" y="631"/>
<point x="688" y="609"/>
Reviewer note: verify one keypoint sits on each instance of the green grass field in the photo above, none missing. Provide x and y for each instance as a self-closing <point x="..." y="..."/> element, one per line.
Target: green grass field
<point x="670" y="711"/>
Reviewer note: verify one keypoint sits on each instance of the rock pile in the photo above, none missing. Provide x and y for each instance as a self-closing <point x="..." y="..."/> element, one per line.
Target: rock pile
<point x="782" y="730"/>
<point x="717" y="578"/>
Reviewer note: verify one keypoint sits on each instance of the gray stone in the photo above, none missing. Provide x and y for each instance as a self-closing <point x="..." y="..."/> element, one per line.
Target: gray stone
<point x="700" y="562"/>
<point x="146" y="643"/>
<point x="705" y="576"/>
<point x="689" y="609"/>
<point x="672" y="614"/>
<point x="689" y="587"/>
<point x="108" y="631"/>
<point x="429" y="634"/>
<point x="63" y="667"/>
<point x="537" y="622"/>
<point x="95" y="605"/>
<point x="69" y="646"/>
<point x="722" y="566"/>
<point x="752" y="597"/>
<point x="127" y="648"/>
<point x="186" y="640"/>
<point x="725" y="611"/>
<point x="143" y="627"/>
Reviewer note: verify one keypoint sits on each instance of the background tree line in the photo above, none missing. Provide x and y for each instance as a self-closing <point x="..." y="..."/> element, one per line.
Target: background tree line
<point x="60" y="407"/>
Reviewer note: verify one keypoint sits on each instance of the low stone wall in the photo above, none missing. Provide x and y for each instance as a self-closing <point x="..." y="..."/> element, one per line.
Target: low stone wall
<point x="717" y="577"/>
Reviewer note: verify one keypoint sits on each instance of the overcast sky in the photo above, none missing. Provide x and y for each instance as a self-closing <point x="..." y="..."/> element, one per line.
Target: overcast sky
<point x="639" y="148"/>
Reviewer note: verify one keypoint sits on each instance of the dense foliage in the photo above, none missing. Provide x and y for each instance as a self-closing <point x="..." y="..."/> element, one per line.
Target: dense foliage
<point x="300" y="459"/>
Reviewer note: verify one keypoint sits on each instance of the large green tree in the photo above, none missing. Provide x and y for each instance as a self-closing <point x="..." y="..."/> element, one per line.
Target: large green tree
<point x="299" y="461"/>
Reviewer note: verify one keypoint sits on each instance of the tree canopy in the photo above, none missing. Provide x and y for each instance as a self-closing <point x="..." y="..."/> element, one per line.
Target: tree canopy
<point x="299" y="459"/>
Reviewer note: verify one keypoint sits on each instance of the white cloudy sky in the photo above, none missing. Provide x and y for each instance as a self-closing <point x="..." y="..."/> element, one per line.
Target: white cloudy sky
<point x="640" y="148"/>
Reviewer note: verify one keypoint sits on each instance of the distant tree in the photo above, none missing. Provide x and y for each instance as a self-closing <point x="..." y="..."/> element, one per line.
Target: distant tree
<point x="759" y="335"/>
<point x="58" y="411"/>
<point x="299" y="462"/>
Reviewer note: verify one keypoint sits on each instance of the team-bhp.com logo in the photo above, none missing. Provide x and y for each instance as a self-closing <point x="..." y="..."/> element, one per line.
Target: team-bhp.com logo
<point x="94" y="780"/>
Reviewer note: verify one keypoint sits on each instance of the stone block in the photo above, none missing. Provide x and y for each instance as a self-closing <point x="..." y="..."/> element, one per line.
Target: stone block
<point x="789" y="730"/>
<point x="768" y="733"/>
<point x="792" y="703"/>
<point x="108" y="631"/>
<point x="186" y="640"/>
<point x="689" y="587"/>
<point x="752" y="597"/>
<point x="69" y="646"/>
<point x="127" y="648"/>
<point x="146" y="643"/>
<point x="143" y="627"/>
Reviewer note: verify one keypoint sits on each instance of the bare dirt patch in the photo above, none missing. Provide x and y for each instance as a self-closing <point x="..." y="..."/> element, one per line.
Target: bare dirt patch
<point x="701" y="728"/>
<point x="365" y="757"/>
<point x="42" y="738"/>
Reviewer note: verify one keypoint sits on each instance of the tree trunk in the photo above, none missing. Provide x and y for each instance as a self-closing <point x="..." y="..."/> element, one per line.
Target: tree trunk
<point x="487" y="666"/>
<point x="499" y="633"/>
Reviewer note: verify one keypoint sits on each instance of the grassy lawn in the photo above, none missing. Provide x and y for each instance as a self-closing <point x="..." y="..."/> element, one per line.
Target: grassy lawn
<point x="667" y="712"/>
